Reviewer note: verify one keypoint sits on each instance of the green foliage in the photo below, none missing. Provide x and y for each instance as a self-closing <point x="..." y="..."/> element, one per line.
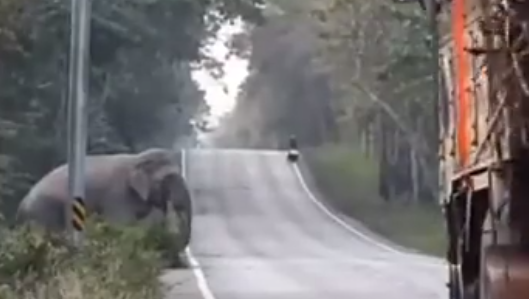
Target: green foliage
<point x="341" y="170"/>
<point x="167" y="241"/>
<point x="349" y="180"/>
<point x="113" y="263"/>
<point x="284" y="78"/>
<point x="388" y="75"/>
<point x="347" y="168"/>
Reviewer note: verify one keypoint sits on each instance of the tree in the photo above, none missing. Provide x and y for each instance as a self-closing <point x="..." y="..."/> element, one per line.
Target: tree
<point x="140" y="77"/>
<point x="285" y="92"/>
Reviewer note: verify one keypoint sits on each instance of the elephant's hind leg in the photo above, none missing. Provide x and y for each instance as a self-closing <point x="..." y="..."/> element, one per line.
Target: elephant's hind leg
<point x="50" y="213"/>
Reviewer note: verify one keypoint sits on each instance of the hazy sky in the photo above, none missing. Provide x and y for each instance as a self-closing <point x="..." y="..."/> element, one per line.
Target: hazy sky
<point x="235" y="72"/>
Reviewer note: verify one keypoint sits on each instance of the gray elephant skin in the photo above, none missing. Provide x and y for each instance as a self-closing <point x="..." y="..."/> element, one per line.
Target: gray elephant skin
<point x="121" y="188"/>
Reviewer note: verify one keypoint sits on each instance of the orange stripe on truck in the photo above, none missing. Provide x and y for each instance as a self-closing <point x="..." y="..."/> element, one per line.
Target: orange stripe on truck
<point x="462" y="76"/>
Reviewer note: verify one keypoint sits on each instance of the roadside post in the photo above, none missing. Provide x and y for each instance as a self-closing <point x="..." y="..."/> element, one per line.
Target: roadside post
<point x="80" y="15"/>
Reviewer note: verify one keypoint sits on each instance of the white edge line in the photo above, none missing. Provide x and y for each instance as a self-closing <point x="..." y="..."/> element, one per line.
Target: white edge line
<point x="337" y="219"/>
<point x="202" y="283"/>
<point x="344" y="224"/>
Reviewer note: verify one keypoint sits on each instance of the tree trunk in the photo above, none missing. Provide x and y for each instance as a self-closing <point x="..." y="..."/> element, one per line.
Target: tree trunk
<point x="415" y="184"/>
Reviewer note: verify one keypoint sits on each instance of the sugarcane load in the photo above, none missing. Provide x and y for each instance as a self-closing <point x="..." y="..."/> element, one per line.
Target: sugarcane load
<point x="483" y="99"/>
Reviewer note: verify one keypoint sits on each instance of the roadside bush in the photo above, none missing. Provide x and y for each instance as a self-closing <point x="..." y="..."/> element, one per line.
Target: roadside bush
<point x="167" y="242"/>
<point x="346" y="175"/>
<point x="117" y="263"/>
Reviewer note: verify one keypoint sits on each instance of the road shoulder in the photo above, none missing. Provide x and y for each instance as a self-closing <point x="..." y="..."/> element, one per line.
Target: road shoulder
<point x="180" y="283"/>
<point x="309" y="180"/>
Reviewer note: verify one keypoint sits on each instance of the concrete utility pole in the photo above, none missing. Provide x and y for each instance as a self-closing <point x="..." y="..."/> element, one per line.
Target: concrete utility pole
<point x="77" y="114"/>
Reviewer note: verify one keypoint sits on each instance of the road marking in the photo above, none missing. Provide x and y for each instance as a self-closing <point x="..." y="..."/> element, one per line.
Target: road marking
<point x="199" y="275"/>
<point x="202" y="283"/>
<point x="345" y="224"/>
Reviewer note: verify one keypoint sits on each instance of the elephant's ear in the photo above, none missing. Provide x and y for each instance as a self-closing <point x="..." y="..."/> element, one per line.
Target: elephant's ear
<point x="139" y="182"/>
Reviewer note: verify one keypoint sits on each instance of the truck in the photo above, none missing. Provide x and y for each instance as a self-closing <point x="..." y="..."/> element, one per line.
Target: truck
<point x="483" y="103"/>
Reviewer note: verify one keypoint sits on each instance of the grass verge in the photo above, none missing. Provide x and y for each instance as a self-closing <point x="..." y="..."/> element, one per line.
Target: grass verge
<point x="117" y="263"/>
<point x="348" y="180"/>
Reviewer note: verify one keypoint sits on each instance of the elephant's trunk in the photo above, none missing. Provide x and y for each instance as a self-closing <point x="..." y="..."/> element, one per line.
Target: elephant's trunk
<point x="180" y="203"/>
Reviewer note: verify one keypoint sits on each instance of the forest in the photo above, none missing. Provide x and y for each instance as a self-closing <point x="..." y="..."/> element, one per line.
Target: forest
<point x="350" y="72"/>
<point x="353" y="80"/>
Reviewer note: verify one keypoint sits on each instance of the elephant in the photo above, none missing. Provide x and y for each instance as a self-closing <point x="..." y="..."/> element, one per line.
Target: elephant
<point x="120" y="188"/>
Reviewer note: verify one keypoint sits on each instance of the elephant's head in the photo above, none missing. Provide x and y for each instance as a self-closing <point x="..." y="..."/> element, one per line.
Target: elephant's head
<point x="150" y="176"/>
<point x="157" y="180"/>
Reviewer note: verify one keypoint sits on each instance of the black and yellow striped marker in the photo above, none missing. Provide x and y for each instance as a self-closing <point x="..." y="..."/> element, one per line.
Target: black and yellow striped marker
<point x="79" y="214"/>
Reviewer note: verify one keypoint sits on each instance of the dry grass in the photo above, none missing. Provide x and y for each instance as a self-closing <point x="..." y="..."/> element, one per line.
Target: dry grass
<point x="114" y="263"/>
<point x="74" y="285"/>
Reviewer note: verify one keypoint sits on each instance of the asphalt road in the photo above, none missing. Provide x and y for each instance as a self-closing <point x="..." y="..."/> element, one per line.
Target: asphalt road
<point x="259" y="233"/>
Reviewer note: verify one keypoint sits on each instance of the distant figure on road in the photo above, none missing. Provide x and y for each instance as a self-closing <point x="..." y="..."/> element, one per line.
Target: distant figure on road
<point x="292" y="142"/>
<point x="293" y="153"/>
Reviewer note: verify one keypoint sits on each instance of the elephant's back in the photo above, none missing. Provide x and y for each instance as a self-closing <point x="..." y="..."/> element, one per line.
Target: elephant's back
<point x="52" y="185"/>
<point x="99" y="169"/>
<point x="104" y="170"/>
